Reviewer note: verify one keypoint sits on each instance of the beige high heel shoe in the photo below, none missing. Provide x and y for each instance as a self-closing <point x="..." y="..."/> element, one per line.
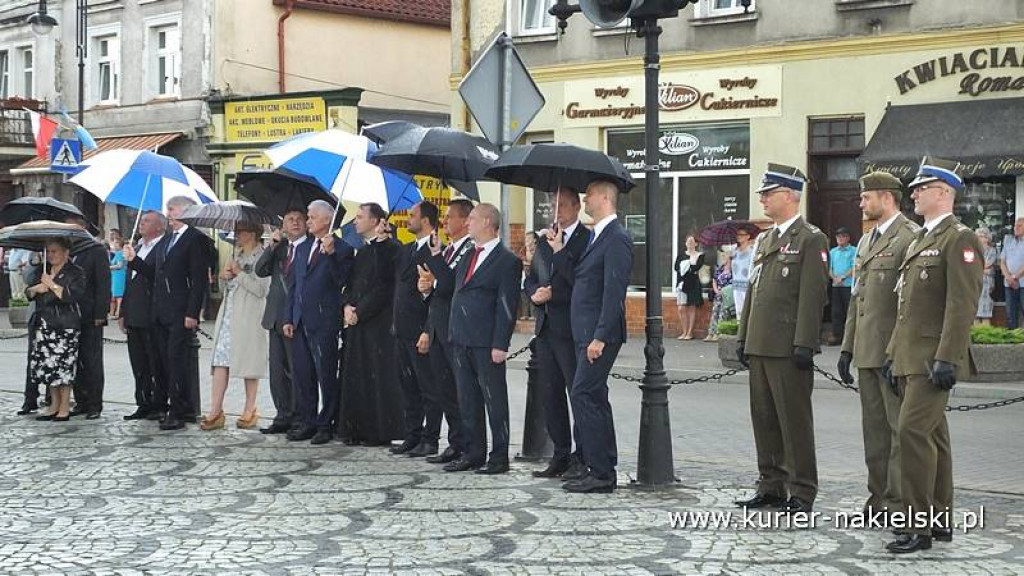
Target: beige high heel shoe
<point x="214" y="424"/>
<point x="245" y="423"/>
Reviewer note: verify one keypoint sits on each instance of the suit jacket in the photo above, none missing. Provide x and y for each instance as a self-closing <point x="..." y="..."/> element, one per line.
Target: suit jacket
<point x="314" y="288"/>
<point x="484" y="310"/>
<point x="559" y="272"/>
<point x="409" y="311"/>
<point x="598" y="308"/>
<point x="272" y="264"/>
<point x="788" y="289"/>
<point x="94" y="303"/>
<point x="940" y="282"/>
<point x="439" y="312"/>
<point x="872" y="314"/>
<point x="180" y="276"/>
<point x="137" y="303"/>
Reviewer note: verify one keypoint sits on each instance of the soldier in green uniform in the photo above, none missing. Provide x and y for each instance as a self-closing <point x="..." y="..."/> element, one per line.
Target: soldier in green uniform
<point x="869" y="326"/>
<point x="940" y="281"/>
<point x="779" y="334"/>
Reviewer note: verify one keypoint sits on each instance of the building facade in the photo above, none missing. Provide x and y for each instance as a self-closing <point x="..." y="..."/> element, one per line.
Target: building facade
<point x="834" y="87"/>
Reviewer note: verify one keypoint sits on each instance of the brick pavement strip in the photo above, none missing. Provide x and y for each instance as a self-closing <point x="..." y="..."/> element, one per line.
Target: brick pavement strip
<point x="110" y="497"/>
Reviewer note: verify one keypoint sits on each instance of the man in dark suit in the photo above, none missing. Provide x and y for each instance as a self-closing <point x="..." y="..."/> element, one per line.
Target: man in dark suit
<point x="277" y="263"/>
<point x="549" y="287"/>
<point x="410" y="319"/>
<point x="136" y="320"/>
<point x="598" y="318"/>
<point x="437" y="281"/>
<point x="312" y="320"/>
<point x="483" y="316"/>
<point x="94" y="306"/>
<point x="180" y="272"/>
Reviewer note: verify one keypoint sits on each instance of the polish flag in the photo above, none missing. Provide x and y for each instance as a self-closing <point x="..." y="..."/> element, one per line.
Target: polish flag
<point x="43" y="128"/>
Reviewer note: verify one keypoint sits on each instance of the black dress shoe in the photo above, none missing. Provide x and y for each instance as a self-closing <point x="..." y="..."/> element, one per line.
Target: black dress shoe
<point x="577" y="471"/>
<point x="321" y="437"/>
<point x="421" y="450"/>
<point x="172" y="423"/>
<point x="137" y="415"/>
<point x="909" y="543"/>
<point x="942" y="534"/>
<point x="762" y="501"/>
<point x="461" y="465"/>
<point x="190" y="419"/>
<point x="449" y="455"/>
<point x="27" y="409"/>
<point x="590" y="485"/>
<point x="404" y="447"/>
<point x="45" y="417"/>
<point x="62" y="418"/>
<point x="275" y="428"/>
<point x="494" y="468"/>
<point x="92" y="416"/>
<point x="156" y="415"/>
<point x="302" y="434"/>
<point x="555" y="468"/>
<point x="794" y="505"/>
<point x="76" y="412"/>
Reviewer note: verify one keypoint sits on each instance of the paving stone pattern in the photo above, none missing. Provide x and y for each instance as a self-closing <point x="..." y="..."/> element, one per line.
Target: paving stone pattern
<point x="110" y="497"/>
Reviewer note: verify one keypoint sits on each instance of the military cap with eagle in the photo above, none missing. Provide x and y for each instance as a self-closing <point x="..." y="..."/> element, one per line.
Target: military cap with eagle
<point x="782" y="176"/>
<point x="938" y="170"/>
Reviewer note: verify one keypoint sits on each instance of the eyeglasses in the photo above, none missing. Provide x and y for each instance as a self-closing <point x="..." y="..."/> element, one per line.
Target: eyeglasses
<point x="923" y="188"/>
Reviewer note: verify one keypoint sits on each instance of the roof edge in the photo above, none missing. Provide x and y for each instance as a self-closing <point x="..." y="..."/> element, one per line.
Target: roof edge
<point x="365" y="13"/>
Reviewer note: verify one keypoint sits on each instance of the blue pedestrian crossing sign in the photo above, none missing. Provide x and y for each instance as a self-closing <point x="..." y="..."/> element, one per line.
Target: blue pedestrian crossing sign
<point x="65" y="155"/>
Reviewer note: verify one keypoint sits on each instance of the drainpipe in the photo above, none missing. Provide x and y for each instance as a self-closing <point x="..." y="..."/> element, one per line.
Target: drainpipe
<point x="467" y="58"/>
<point x="288" y="7"/>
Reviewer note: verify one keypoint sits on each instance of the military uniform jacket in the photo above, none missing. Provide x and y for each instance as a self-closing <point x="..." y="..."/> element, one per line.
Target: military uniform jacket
<point x="872" y="314"/>
<point x="938" y="290"/>
<point x="788" y="287"/>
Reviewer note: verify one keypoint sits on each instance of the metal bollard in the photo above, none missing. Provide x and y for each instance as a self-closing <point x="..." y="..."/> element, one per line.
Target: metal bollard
<point x="192" y="376"/>
<point x="536" y="442"/>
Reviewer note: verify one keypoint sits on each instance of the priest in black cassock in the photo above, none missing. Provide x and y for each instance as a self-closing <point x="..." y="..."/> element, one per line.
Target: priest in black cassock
<point x="371" y="394"/>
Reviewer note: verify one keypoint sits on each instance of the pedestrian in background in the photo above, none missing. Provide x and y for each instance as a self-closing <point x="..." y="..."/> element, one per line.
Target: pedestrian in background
<point x="721" y="282"/>
<point x="118" y="274"/>
<point x="689" y="294"/>
<point x="240" y="344"/>
<point x="57" y="322"/>
<point x="841" y="260"/>
<point x="1012" y="264"/>
<point x="741" y="260"/>
<point x="990" y="256"/>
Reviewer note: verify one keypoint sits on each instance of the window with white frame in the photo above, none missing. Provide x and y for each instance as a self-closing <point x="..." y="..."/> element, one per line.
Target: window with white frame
<point x="165" y="47"/>
<point x="27" y="56"/>
<point x="107" y="58"/>
<point x="5" y="74"/>
<point x="531" y="17"/>
<point x="713" y="8"/>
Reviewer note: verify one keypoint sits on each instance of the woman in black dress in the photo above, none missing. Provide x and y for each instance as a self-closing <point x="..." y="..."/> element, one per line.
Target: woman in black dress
<point x="56" y="322"/>
<point x="689" y="296"/>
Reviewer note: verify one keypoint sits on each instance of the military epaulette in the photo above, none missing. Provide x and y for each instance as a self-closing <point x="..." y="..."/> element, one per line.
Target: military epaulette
<point x="813" y="228"/>
<point x="912" y="226"/>
<point x="961" y="228"/>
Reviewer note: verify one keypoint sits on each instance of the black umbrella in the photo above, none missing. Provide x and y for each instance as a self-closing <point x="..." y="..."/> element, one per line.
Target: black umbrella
<point x="31" y="209"/>
<point x="227" y="215"/>
<point x="451" y="155"/>
<point x="382" y="132"/>
<point x="276" y="193"/>
<point x="550" y="166"/>
<point x="34" y="235"/>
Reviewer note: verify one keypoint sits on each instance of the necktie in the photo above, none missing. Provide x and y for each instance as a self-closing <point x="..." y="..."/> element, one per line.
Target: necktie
<point x="874" y="237"/>
<point x="315" y="252"/>
<point x="590" y="238"/>
<point x="472" y="263"/>
<point x="448" y="253"/>
<point x="291" y="258"/>
<point x="174" y="240"/>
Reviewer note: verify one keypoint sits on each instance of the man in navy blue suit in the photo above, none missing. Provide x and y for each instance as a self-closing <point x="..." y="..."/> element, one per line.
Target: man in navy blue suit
<point x="313" y="320"/>
<point x="598" y="316"/>
<point x="483" y="316"/>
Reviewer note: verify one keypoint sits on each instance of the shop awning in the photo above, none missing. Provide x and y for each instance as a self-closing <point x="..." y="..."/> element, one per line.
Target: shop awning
<point x="983" y="135"/>
<point x="151" y="142"/>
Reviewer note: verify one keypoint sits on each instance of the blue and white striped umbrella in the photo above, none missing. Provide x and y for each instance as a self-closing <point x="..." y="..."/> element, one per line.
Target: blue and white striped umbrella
<point x="338" y="162"/>
<point x="141" y="180"/>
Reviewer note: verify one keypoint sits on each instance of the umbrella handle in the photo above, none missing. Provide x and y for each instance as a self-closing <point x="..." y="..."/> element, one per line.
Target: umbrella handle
<point x="138" y="215"/>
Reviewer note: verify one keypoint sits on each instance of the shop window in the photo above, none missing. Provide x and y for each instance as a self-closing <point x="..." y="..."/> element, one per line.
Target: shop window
<point x="716" y="8"/>
<point x="837" y="135"/>
<point x="531" y="17"/>
<point x="632" y="210"/>
<point x="989" y="204"/>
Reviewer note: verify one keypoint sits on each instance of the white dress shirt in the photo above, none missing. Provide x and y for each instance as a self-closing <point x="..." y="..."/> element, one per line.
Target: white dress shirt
<point x="929" y="226"/>
<point x="600" y="226"/>
<point x="488" y="247"/>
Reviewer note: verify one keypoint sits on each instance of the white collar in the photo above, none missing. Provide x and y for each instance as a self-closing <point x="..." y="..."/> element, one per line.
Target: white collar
<point x="297" y="242"/>
<point x="180" y="231"/>
<point x="600" y="226"/>
<point x="421" y="241"/>
<point x="457" y="244"/>
<point x="490" y="244"/>
<point x="785" y="225"/>
<point x="152" y="242"/>
<point x="885" y="225"/>
<point x="929" y="226"/>
<point x="571" y="229"/>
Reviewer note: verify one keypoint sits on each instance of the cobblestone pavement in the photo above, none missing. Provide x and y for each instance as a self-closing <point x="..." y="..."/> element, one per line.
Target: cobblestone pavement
<point x="110" y="497"/>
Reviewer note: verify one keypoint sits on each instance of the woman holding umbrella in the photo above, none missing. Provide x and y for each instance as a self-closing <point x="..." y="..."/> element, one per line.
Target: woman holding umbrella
<point x="56" y="323"/>
<point x="689" y="294"/>
<point x="240" y="343"/>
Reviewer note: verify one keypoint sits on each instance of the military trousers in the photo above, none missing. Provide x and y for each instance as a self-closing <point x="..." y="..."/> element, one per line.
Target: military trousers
<point x="925" y="456"/>
<point x="783" y="419"/>
<point x="880" y="418"/>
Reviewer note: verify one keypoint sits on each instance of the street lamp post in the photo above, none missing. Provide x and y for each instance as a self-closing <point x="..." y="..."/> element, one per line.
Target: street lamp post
<point x="42" y="23"/>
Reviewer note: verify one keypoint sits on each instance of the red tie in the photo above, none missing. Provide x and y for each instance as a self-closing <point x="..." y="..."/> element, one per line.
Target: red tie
<point x="315" y="252"/>
<point x="472" y="263"/>
<point x="448" y="253"/>
<point x="291" y="258"/>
